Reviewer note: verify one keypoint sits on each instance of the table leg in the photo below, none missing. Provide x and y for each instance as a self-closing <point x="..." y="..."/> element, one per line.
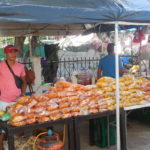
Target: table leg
<point x="71" y="141"/>
<point x="11" y="141"/>
<point x="76" y="134"/>
<point x="91" y="132"/>
<point x="123" y="129"/>
<point x="108" y="131"/>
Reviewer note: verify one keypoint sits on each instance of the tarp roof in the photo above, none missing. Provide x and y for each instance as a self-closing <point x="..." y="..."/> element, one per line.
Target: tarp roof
<point x="74" y="11"/>
<point x="22" y="29"/>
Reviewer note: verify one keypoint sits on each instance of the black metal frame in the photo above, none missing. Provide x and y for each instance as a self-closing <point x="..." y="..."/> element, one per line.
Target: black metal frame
<point x="11" y="131"/>
<point x="73" y="128"/>
<point x="123" y="130"/>
<point x="79" y="119"/>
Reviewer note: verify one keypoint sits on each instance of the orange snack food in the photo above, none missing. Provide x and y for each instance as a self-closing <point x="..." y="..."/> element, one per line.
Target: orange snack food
<point x="75" y="114"/>
<point x="18" y="118"/>
<point x="43" y="119"/>
<point x="63" y="100"/>
<point x="52" y="94"/>
<point x="66" y="115"/>
<point x="94" y="110"/>
<point x="78" y="87"/>
<point x="62" y="84"/>
<point x="73" y="98"/>
<point x="32" y="102"/>
<point x="20" y="123"/>
<point x="54" y="100"/>
<point x="54" y="112"/>
<point x="31" y="121"/>
<point x="52" y="106"/>
<point x="65" y="110"/>
<point x="53" y="89"/>
<point x="16" y="106"/>
<point x="75" y="109"/>
<point x="84" y="103"/>
<point x="38" y="109"/>
<point x="55" y="116"/>
<point x="30" y="115"/>
<point x="74" y="103"/>
<point x="23" y="99"/>
<point x="41" y="104"/>
<point x="42" y="98"/>
<point x="64" y="105"/>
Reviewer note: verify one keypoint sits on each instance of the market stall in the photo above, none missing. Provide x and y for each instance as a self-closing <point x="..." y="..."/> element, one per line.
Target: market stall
<point x="67" y="100"/>
<point x="66" y="12"/>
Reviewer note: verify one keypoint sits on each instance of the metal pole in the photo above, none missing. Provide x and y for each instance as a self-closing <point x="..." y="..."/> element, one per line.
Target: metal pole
<point x="117" y="86"/>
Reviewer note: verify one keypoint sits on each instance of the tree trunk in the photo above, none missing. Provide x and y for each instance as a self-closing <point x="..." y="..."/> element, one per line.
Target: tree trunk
<point x="19" y="42"/>
<point x="34" y="42"/>
<point x="50" y="68"/>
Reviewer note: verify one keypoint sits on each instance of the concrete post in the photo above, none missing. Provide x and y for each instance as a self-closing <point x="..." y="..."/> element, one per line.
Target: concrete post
<point x="37" y="69"/>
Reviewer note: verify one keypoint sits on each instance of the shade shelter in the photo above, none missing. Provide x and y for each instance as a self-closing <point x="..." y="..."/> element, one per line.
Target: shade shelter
<point x="59" y="16"/>
<point x="64" y="13"/>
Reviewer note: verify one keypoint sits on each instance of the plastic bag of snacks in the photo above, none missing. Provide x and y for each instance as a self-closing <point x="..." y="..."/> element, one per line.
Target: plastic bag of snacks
<point x="84" y="77"/>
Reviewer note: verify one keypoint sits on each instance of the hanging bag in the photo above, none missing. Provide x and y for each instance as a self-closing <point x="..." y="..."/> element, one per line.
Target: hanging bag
<point x="18" y="80"/>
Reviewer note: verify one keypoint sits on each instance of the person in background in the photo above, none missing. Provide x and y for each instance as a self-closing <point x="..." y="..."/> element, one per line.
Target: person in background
<point x="107" y="64"/>
<point x="106" y="68"/>
<point x="8" y="89"/>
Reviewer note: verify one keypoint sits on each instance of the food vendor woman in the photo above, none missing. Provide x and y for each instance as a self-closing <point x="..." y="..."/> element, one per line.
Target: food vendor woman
<point x="9" y="92"/>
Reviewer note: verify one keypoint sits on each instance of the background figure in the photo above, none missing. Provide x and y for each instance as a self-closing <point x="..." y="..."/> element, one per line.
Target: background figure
<point x="101" y="133"/>
<point x="107" y="64"/>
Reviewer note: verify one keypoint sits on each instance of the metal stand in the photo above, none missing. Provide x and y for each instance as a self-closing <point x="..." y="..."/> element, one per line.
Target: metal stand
<point x="11" y="131"/>
<point x="79" y="119"/>
<point x="123" y="130"/>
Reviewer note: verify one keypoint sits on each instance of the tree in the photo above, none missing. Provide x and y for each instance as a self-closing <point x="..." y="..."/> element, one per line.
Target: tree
<point x="19" y="42"/>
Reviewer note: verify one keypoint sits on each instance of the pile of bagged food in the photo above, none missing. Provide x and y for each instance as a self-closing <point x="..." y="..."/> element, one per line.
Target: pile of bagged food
<point x="146" y="89"/>
<point x="66" y="100"/>
<point x="131" y="90"/>
<point x="61" y="101"/>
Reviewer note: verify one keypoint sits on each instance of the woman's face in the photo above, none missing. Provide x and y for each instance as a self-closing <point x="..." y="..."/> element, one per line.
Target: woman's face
<point x="11" y="56"/>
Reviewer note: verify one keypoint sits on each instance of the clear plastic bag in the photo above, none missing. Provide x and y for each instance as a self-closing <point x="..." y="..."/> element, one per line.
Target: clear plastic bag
<point x="52" y="106"/>
<point x="84" y="77"/>
<point x="65" y="110"/>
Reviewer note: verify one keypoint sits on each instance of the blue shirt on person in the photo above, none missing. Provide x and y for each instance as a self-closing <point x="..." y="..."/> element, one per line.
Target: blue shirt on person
<point x="107" y="65"/>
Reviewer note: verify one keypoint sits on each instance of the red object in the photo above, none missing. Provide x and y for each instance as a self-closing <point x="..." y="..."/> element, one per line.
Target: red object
<point x="10" y="48"/>
<point x="50" y="143"/>
<point x="139" y="36"/>
<point x="55" y="147"/>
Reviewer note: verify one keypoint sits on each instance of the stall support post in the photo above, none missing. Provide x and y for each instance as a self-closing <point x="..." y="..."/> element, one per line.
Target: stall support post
<point x="11" y="141"/>
<point x="117" y="86"/>
<point x="36" y="60"/>
<point x="71" y="140"/>
<point x="123" y="130"/>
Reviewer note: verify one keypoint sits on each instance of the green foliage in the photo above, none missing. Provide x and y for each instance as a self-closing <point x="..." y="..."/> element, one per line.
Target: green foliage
<point x="6" y="40"/>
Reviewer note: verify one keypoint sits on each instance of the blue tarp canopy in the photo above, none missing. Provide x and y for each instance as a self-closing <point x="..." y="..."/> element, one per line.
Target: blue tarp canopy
<point x="38" y="15"/>
<point x="74" y="11"/>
